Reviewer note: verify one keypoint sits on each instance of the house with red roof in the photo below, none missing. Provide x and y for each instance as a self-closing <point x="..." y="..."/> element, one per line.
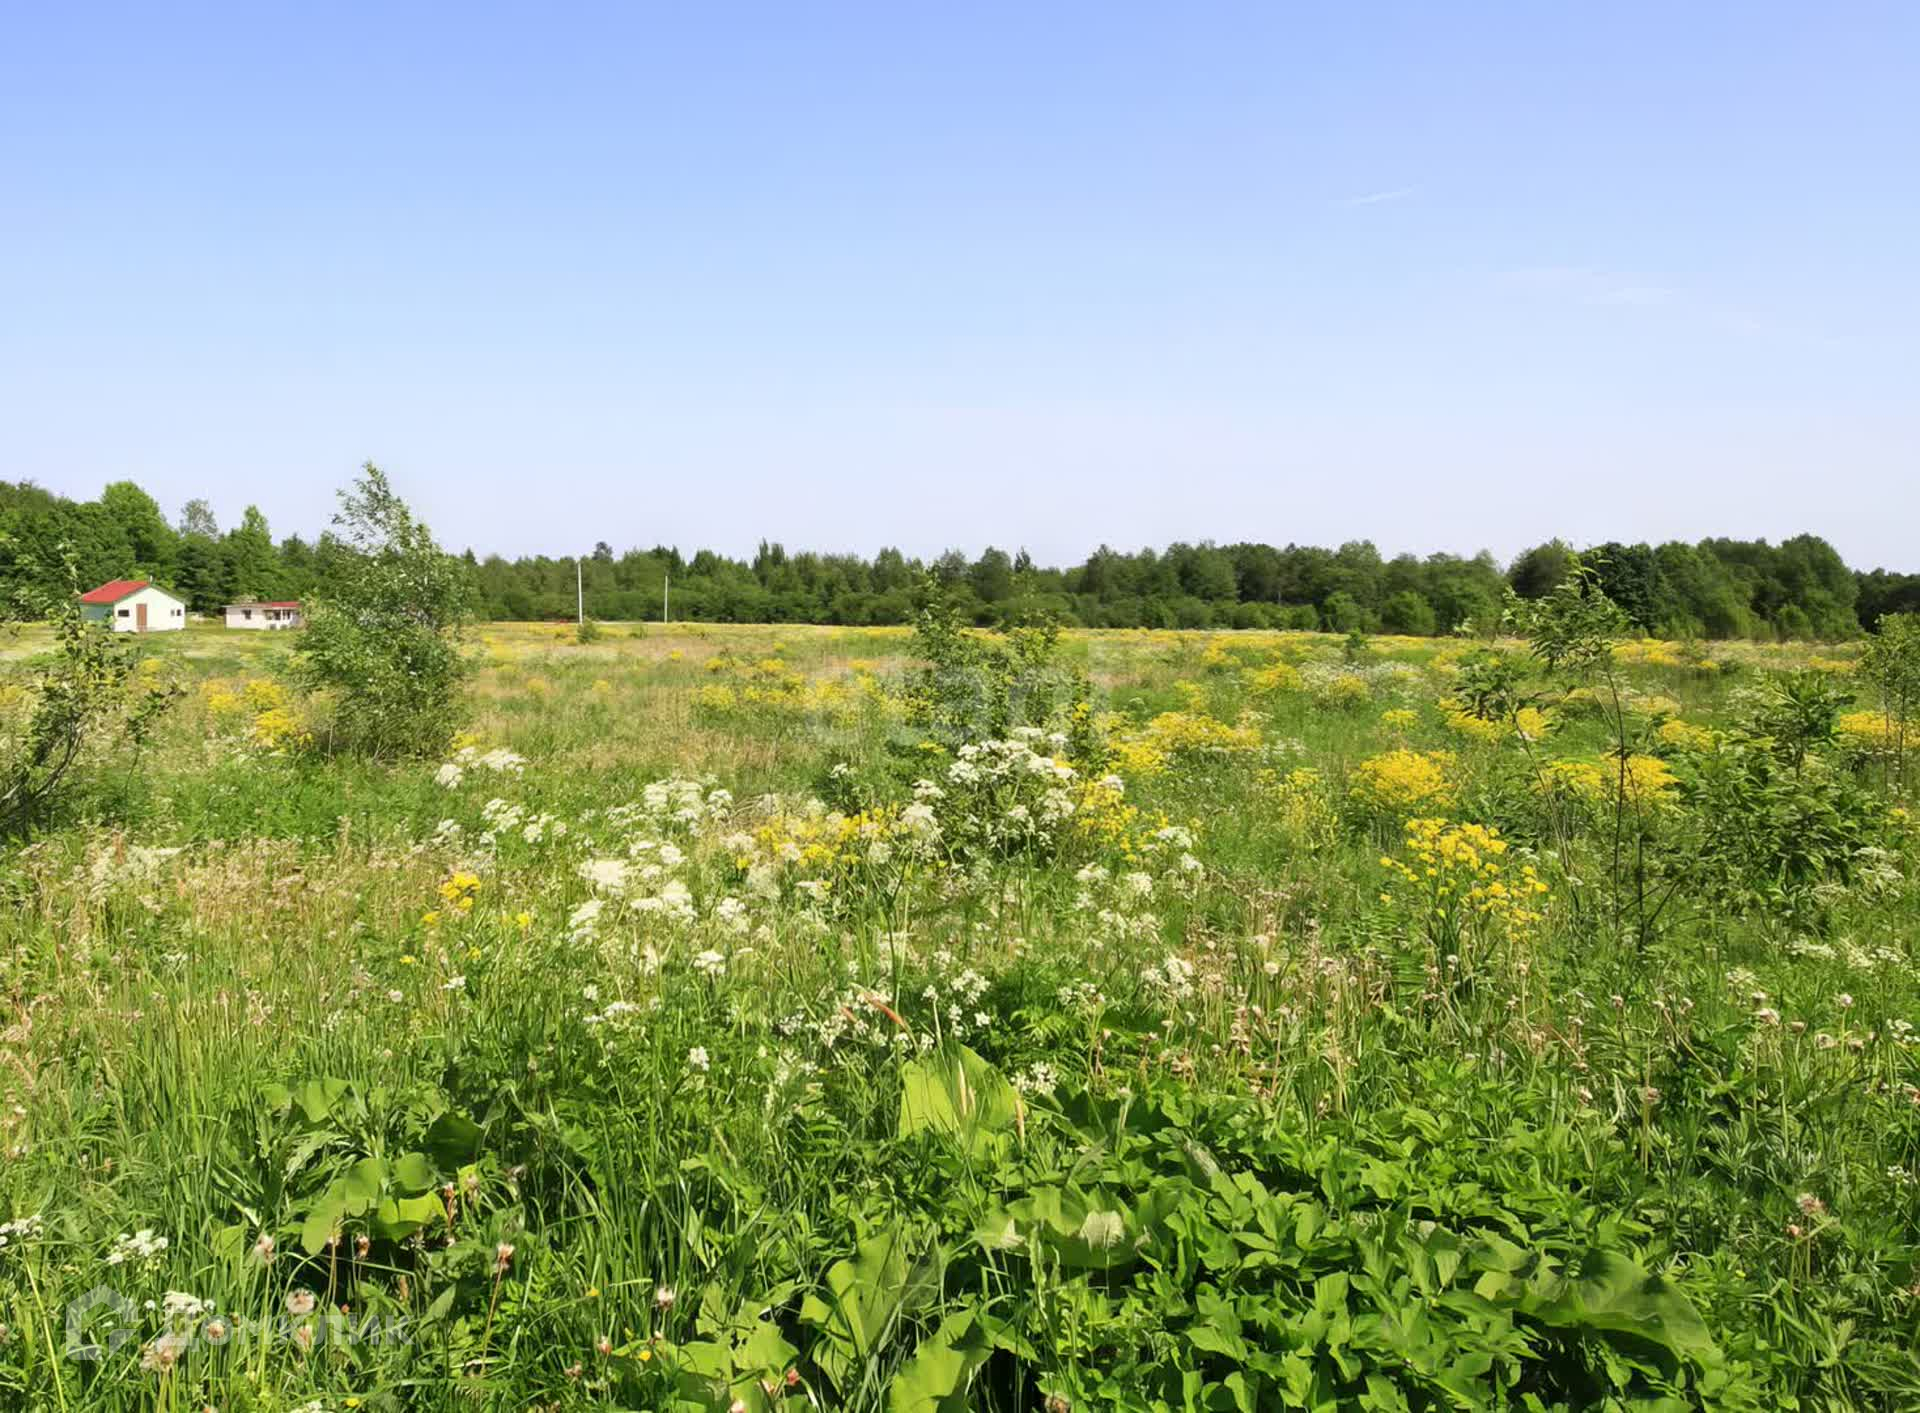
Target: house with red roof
<point x="134" y="606"/>
<point x="262" y="613"/>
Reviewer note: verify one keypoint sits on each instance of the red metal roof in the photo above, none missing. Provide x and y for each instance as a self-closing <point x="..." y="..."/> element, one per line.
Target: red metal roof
<point x="114" y="590"/>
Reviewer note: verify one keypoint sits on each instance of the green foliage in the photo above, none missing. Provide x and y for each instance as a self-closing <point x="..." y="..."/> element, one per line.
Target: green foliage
<point x="1891" y="663"/>
<point x="1769" y="836"/>
<point x="1717" y="589"/>
<point x="974" y="686"/>
<point x="382" y="632"/>
<point x="1800" y="711"/>
<point x="1570" y="630"/>
<point x="85" y="694"/>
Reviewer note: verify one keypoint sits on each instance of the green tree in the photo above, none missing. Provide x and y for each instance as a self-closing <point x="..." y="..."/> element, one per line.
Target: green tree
<point x="1408" y="612"/>
<point x="992" y="576"/>
<point x="152" y="543"/>
<point x="382" y="635"/>
<point x="196" y="518"/>
<point x="252" y="566"/>
<point x="1541" y="570"/>
<point x="1342" y="613"/>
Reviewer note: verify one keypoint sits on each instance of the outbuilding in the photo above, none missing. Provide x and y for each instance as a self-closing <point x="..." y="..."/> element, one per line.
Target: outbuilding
<point x="134" y="606"/>
<point x="255" y="613"/>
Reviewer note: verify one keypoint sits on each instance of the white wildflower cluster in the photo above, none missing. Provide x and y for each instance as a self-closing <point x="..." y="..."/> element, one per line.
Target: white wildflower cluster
<point x="852" y="1015"/>
<point x="693" y="805"/>
<point x="1177" y="841"/>
<point x="504" y="819"/>
<point x="789" y="1071"/>
<point x="643" y="880"/>
<point x="1856" y="957"/>
<point x="606" y="875"/>
<point x="1038" y="1078"/>
<point x="499" y="761"/>
<point x="1877" y="873"/>
<point x="1080" y="996"/>
<point x="1121" y="904"/>
<point x="1170" y="980"/>
<point x="179" y="1309"/>
<point x="1870" y="958"/>
<point x="127" y="866"/>
<point x="955" y="993"/>
<point x="19" y="1231"/>
<point x="143" y="1246"/>
<point x="616" y="1013"/>
<point x="1005" y="793"/>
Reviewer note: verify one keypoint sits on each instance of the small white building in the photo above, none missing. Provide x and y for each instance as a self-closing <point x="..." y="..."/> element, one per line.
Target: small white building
<point x="134" y="606"/>
<point x="254" y="613"/>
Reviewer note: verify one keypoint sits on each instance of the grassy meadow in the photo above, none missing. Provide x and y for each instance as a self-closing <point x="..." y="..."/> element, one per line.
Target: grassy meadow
<point x="713" y="1029"/>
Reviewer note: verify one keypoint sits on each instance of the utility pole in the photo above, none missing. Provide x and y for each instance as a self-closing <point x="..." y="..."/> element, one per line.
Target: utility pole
<point x="666" y="595"/>
<point x="579" y="593"/>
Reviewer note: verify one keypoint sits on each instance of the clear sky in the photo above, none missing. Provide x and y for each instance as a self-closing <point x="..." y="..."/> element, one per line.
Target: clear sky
<point x="1043" y="274"/>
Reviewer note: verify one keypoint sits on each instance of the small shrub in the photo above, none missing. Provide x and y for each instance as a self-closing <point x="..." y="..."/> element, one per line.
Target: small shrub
<point x="382" y="635"/>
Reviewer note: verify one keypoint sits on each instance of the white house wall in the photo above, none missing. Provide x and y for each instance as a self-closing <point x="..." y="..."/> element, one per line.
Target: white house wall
<point x="165" y="613"/>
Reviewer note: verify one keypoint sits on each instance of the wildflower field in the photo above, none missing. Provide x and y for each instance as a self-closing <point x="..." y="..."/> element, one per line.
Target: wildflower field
<point x="753" y="1018"/>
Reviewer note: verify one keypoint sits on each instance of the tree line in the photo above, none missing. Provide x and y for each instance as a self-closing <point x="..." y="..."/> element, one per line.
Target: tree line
<point x="1717" y="588"/>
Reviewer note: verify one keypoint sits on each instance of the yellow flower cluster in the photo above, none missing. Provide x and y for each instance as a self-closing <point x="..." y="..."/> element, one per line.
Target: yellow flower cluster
<point x="1649" y="653"/>
<point x="1276" y="676"/>
<point x="273" y="723"/>
<point x="1645" y="781"/>
<point x="458" y="892"/>
<point x="1457" y="874"/>
<point x="1870" y="730"/>
<point x="1102" y="816"/>
<point x="1685" y="736"/>
<point x="819" y="846"/>
<point x="1303" y="808"/>
<point x="1173" y="734"/>
<point x="1530" y="722"/>
<point x="1224" y="654"/>
<point x="1344" y="689"/>
<point x="1404" y="780"/>
<point x="769" y="685"/>
<point x="1400" y="719"/>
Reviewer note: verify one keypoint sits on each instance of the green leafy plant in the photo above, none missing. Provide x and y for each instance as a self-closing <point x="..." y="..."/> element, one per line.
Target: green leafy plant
<point x="86" y="693"/>
<point x="382" y="634"/>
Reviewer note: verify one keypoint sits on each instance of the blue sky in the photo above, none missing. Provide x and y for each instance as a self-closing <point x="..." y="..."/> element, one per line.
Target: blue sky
<point x="1443" y="276"/>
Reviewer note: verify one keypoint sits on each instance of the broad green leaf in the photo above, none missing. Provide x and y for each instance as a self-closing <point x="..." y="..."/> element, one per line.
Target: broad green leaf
<point x="453" y="1139"/>
<point x="956" y="1093"/>
<point x="935" y="1380"/>
<point x="413" y="1172"/>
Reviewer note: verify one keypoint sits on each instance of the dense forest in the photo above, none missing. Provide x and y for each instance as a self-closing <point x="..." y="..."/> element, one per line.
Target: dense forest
<point x="1718" y="588"/>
